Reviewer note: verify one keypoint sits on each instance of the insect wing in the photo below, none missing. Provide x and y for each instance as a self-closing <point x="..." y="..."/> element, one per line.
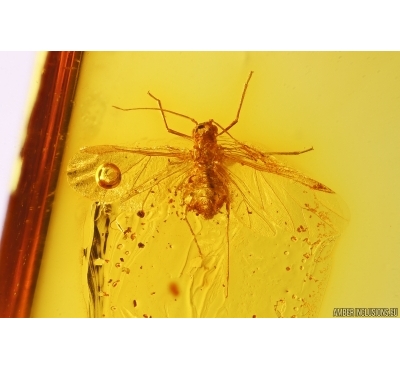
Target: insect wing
<point x="140" y="169"/>
<point x="265" y="162"/>
<point x="267" y="195"/>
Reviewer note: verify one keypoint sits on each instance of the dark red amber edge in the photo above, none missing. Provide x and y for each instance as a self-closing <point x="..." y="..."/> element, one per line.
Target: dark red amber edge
<point x="30" y="206"/>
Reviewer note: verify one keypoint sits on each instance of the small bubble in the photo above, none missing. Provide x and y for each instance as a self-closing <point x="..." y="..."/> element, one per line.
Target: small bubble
<point x="113" y="308"/>
<point x="296" y="308"/>
<point x="108" y="176"/>
<point x="98" y="262"/>
<point x="127" y="253"/>
<point x="294" y="296"/>
<point x="285" y="253"/>
<point x="301" y="267"/>
<point x="117" y="264"/>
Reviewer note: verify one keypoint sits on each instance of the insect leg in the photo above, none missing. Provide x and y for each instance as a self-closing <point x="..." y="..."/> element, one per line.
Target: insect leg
<point x="290" y="153"/>
<point x="141" y="213"/>
<point x="171" y="131"/>
<point x="194" y="235"/>
<point x="235" y="121"/>
<point x="228" y="250"/>
<point x="164" y="110"/>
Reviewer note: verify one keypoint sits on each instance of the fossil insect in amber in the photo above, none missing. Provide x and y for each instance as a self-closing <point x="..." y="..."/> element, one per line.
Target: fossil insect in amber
<point x="219" y="174"/>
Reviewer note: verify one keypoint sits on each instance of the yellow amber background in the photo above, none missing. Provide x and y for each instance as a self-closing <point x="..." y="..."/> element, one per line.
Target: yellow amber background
<point x="345" y="105"/>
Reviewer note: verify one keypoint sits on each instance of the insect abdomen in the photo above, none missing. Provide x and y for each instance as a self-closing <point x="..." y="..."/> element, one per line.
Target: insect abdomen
<point x="205" y="193"/>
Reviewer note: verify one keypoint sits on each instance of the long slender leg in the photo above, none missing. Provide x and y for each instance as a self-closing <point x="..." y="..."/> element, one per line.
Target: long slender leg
<point x="194" y="235"/>
<point x="141" y="213"/>
<point x="235" y="121"/>
<point x="165" y="120"/>
<point x="165" y="110"/>
<point x="191" y="297"/>
<point x="160" y="108"/>
<point x="290" y="153"/>
<point x="267" y="153"/>
<point x="228" y="251"/>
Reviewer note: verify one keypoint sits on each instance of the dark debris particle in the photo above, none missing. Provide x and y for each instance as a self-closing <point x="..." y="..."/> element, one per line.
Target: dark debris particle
<point x="141" y="245"/>
<point x="141" y="213"/>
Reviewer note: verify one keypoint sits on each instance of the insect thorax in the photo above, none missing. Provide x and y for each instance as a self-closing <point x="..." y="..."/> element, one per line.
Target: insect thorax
<point x="206" y="150"/>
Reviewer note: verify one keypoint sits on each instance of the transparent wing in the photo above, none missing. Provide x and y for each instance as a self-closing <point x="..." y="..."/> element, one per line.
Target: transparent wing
<point x="141" y="169"/>
<point x="267" y="195"/>
<point x="265" y="162"/>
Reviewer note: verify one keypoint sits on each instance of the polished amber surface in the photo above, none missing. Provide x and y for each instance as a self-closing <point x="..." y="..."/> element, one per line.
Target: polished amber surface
<point x="127" y="260"/>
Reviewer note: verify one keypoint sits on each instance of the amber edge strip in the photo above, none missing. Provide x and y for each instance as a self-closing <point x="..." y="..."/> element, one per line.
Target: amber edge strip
<point x="29" y="207"/>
